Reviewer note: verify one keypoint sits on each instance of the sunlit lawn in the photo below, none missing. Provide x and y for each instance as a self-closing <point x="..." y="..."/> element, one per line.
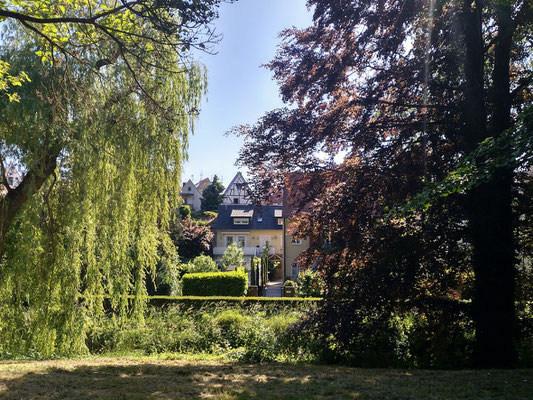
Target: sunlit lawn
<point x="150" y="378"/>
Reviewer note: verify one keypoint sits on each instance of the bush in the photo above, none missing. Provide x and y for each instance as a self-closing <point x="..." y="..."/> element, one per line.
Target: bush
<point x="184" y="211"/>
<point x="256" y="334"/>
<point x="210" y="214"/>
<point x="309" y="284"/>
<point x="271" y="303"/>
<point x="202" y="264"/>
<point x="233" y="256"/>
<point x="215" y="284"/>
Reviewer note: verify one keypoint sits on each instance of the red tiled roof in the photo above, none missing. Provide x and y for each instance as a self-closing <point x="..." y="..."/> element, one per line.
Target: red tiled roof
<point x="203" y="184"/>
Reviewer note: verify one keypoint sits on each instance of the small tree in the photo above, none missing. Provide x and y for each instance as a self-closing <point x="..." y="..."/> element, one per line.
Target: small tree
<point x="233" y="256"/>
<point x="190" y="239"/>
<point x="212" y="195"/>
<point x="203" y="264"/>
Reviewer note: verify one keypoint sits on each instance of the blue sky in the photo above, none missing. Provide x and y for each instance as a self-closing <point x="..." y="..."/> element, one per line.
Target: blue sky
<point x="240" y="90"/>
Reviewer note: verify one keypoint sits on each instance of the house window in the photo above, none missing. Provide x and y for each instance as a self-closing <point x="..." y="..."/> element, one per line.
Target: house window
<point x="10" y="181"/>
<point x="229" y="240"/>
<point x="189" y="189"/>
<point x="241" y="221"/>
<point x="236" y="200"/>
<point x="280" y="221"/>
<point x="241" y="241"/>
<point x="296" y="241"/>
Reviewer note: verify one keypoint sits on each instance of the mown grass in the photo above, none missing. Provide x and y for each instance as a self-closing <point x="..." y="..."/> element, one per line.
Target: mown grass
<point x="155" y="378"/>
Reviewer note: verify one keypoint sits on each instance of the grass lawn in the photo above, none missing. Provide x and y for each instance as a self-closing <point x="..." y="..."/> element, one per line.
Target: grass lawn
<point x="151" y="378"/>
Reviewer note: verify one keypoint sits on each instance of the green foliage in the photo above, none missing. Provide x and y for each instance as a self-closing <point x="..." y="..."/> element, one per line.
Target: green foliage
<point x="254" y="265"/>
<point x="309" y="284"/>
<point x="99" y="224"/>
<point x="248" y="335"/>
<point x="215" y="284"/>
<point x="289" y="282"/>
<point x="511" y="149"/>
<point x="273" y="303"/>
<point x="210" y="214"/>
<point x="203" y="218"/>
<point x="184" y="211"/>
<point x="212" y="195"/>
<point x="8" y="81"/>
<point x="233" y="256"/>
<point x="202" y="264"/>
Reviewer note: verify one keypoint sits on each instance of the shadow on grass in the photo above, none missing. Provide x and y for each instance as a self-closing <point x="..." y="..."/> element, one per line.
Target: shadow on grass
<point x="142" y="379"/>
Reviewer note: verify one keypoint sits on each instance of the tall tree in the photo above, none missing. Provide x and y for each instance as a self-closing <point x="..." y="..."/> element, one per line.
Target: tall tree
<point x="405" y="88"/>
<point x="212" y="195"/>
<point x="83" y="37"/>
<point x="100" y="145"/>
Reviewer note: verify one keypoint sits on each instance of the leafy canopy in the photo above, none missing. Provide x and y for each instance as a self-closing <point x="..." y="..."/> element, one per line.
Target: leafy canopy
<point x="212" y="195"/>
<point x="100" y="145"/>
<point x="233" y="256"/>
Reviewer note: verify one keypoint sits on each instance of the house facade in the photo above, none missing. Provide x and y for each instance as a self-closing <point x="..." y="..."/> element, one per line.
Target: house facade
<point x="237" y="191"/>
<point x="251" y="228"/>
<point x="293" y="244"/>
<point x="191" y="196"/>
<point x="293" y="247"/>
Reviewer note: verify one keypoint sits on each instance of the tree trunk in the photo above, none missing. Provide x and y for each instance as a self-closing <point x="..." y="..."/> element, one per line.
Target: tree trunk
<point x="490" y="204"/>
<point x="12" y="203"/>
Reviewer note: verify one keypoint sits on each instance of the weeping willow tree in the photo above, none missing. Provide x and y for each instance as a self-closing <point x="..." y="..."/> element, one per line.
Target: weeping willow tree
<point x="101" y="156"/>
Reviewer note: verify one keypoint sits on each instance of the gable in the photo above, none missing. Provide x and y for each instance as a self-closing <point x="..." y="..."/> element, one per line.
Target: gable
<point x="236" y="192"/>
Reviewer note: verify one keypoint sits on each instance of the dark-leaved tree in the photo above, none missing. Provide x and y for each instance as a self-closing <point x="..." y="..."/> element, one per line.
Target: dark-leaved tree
<point x="405" y="89"/>
<point x="191" y="239"/>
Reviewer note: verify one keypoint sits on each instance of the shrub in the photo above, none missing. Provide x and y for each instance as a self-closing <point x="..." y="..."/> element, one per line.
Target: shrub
<point x="210" y="214"/>
<point x="256" y="334"/>
<point x="202" y="264"/>
<point x="233" y="256"/>
<point x="184" y="211"/>
<point x="215" y="284"/>
<point x="309" y="284"/>
<point x="289" y="282"/>
<point x="272" y="303"/>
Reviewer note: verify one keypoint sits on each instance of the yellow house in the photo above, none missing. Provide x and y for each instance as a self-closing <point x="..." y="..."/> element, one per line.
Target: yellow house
<point x="251" y="228"/>
<point x="292" y="244"/>
<point x="293" y="248"/>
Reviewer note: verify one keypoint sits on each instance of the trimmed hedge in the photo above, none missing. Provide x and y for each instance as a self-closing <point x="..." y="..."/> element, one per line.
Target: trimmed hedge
<point x="232" y="283"/>
<point x="200" y="301"/>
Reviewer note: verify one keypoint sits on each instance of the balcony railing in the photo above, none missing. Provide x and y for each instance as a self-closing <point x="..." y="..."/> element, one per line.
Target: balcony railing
<point x="248" y="251"/>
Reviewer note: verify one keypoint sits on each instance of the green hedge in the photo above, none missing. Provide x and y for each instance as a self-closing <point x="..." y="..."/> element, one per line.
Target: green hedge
<point x="215" y="284"/>
<point x="221" y="302"/>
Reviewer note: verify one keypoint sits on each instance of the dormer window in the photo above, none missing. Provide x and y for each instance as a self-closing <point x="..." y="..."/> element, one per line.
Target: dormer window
<point x="236" y="200"/>
<point x="241" y="217"/>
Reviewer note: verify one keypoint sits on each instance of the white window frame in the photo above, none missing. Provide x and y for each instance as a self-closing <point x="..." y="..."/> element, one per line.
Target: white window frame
<point x="296" y="242"/>
<point x="226" y="240"/>
<point x="241" y="221"/>
<point x="243" y="241"/>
